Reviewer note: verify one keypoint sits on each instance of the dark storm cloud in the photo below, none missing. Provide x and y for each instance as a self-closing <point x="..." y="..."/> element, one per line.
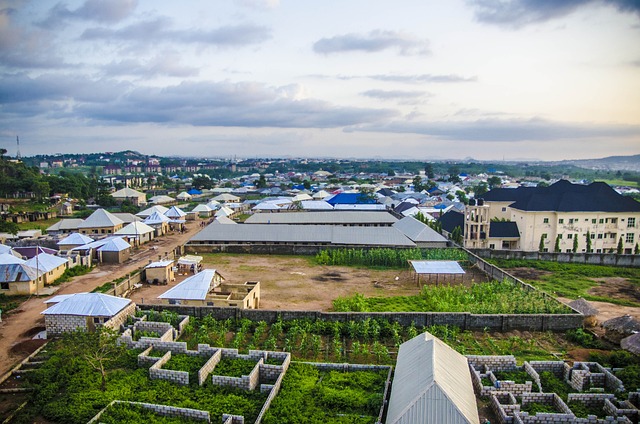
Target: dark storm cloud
<point x="503" y="130"/>
<point x="518" y="13"/>
<point x="222" y="104"/>
<point x="375" y="41"/>
<point x="154" y="31"/>
<point x="107" y="11"/>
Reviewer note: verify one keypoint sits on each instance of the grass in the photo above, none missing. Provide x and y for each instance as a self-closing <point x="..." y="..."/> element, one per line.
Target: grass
<point x="124" y="413"/>
<point x="574" y="280"/>
<point x="38" y="225"/>
<point x="617" y="182"/>
<point x="518" y="377"/>
<point x="483" y="298"/>
<point x="7" y="303"/>
<point x="236" y="367"/>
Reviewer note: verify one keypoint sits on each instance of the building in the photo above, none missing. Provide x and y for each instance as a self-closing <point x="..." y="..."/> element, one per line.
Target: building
<point x="128" y="194"/>
<point x="207" y="288"/>
<point x="363" y="219"/>
<point x="160" y="272"/>
<point x="17" y="278"/>
<point x="431" y="385"/>
<point x="420" y="233"/>
<point x="86" y="311"/>
<point x="563" y="213"/>
<point x="73" y="240"/>
<point x="51" y="267"/>
<point x="65" y="226"/>
<point x="137" y="233"/>
<point x="100" y="222"/>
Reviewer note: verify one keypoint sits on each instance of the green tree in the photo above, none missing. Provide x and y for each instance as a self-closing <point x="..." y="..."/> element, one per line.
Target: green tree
<point x="575" y="245"/>
<point x="391" y="173"/>
<point x="620" y="247"/>
<point x="541" y="245"/>
<point x="556" y="248"/>
<point x="9" y="227"/>
<point x="306" y="184"/>
<point x="588" y="241"/>
<point x="456" y="235"/>
<point x="417" y="183"/>
<point x="2" y="153"/>
<point x="428" y="170"/>
<point x="98" y="348"/>
<point x="636" y="250"/>
<point x="462" y="196"/>
<point x="262" y="182"/>
<point x="480" y="189"/>
<point x="494" y="182"/>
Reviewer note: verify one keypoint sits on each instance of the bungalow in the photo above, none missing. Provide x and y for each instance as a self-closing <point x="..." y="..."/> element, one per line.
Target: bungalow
<point x="51" y="267"/>
<point x="73" y="240"/>
<point x="17" y="278"/>
<point x="137" y="233"/>
<point x="149" y="211"/>
<point x="159" y="272"/>
<point x="128" y="194"/>
<point x="86" y="311"/>
<point x="158" y="222"/>
<point x="101" y="222"/>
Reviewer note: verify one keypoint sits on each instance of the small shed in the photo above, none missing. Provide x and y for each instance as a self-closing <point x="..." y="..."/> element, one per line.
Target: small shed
<point x="189" y="263"/>
<point x="193" y="290"/>
<point x="437" y="271"/>
<point x="115" y="251"/>
<point x="431" y="384"/>
<point x="87" y="311"/>
<point x="159" y="272"/>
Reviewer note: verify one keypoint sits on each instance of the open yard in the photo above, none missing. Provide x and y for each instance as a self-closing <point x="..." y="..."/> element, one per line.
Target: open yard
<point x="298" y="283"/>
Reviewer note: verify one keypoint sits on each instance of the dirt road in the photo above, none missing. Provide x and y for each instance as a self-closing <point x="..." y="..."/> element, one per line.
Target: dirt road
<point x="20" y="325"/>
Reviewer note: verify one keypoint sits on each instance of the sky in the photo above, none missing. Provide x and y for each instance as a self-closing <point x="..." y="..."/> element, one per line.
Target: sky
<point x="403" y="79"/>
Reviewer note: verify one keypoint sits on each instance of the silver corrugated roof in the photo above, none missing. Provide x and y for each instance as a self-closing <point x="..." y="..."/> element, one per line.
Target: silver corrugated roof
<point x="134" y="229"/>
<point x="76" y="239"/>
<point x="10" y="258"/>
<point x="156" y="218"/>
<point x="89" y="305"/>
<point x="115" y="244"/>
<point x="45" y="262"/>
<point x="66" y="224"/>
<point x="101" y="218"/>
<point x="195" y="287"/>
<point x="431" y="384"/>
<point x="157" y="208"/>
<point x="418" y="231"/>
<point x="175" y="212"/>
<point x="437" y="267"/>
<point x="329" y="218"/>
<point x="332" y="234"/>
<point x="17" y="272"/>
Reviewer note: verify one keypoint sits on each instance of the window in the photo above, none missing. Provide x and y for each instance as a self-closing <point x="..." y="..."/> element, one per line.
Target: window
<point x="569" y="236"/>
<point x="544" y="235"/>
<point x="629" y="238"/>
<point x="492" y="246"/>
<point x="560" y="236"/>
<point x="568" y="250"/>
<point x="612" y="235"/>
<point x="601" y="221"/>
<point x="570" y="220"/>
<point x="504" y="209"/>
<point x="545" y="250"/>
<point x="600" y="236"/>
<point x="4" y="286"/>
<point x="631" y="223"/>
<point x="561" y="221"/>
<point x="96" y="320"/>
<point x="593" y="221"/>
<point x="593" y="236"/>
<point x="545" y="221"/>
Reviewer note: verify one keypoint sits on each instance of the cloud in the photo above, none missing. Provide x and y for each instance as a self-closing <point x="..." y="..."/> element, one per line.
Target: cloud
<point x="506" y="130"/>
<point x="404" y="97"/>
<point x="519" y="13"/>
<point x="158" y="30"/>
<point x="373" y="42"/>
<point x="111" y="11"/>
<point x="166" y="64"/>
<point x="406" y="79"/>
<point x="260" y="4"/>
<point x="217" y="104"/>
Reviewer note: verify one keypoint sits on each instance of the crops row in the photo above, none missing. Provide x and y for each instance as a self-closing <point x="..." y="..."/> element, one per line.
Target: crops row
<point x="483" y="298"/>
<point x="366" y="341"/>
<point x="387" y="258"/>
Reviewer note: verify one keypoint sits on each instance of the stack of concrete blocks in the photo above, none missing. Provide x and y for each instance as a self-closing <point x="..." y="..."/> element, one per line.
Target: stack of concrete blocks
<point x="589" y="375"/>
<point x="164" y="410"/>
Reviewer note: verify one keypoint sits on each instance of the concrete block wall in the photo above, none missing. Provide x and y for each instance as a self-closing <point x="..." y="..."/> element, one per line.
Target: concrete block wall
<point x="493" y="363"/>
<point x="145" y="359"/>
<point x="504" y="406"/>
<point x="206" y="369"/>
<point x="622" y="409"/>
<point x="273" y="391"/>
<point x="233" y="419"/>
<point x="58" y="324"/>
<point x="560" y="369"/>
<point x="184" y="321"/>
<point x="591" y="374"/>
<point x="595" y="400"/>
<point x="157" y="373"/>
<point x="552" y="399"/>
<point x="246" y="382"/>
<point x="157" y="327"/>
<point x="121" y="317"/>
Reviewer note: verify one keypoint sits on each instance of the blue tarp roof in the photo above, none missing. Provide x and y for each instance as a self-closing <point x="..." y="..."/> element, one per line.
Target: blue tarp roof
<point x="349" y="199"/>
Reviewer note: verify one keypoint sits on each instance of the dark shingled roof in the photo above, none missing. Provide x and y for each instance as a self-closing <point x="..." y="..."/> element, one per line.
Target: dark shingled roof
<point x="564" y="196"/>
<point x="451" y="220"/>
<point x="502" y="229"/>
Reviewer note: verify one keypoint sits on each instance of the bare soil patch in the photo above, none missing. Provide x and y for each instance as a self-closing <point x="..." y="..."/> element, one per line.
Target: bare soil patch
<point x="528" y="273"/>
<point x="616" y="288"/>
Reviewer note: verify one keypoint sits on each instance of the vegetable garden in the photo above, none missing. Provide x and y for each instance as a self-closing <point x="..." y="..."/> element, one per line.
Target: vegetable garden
<point x="386" y="258"/>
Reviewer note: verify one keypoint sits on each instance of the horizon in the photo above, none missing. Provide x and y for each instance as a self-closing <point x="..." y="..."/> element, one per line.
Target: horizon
<point x="518" y="80"/>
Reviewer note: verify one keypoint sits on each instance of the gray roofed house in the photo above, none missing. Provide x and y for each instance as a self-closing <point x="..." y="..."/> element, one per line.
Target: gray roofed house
<point x="87" y="311"/>
<point x="19" y="279"/>
<point x="420" y="233"/>
<point x="301" y="234"/>
<point x="127" y="218"/>
<point x="101" y="222"/>
<point x="65" y="226"/>
<point x="73" y="240"/>
<point x="157" y="208"/>
<point x="432" y="384"/>
<point x="196" y="287"/>
<point x="366" y="218"/>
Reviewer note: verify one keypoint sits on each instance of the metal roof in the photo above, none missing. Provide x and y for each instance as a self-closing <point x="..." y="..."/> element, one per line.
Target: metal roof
<point x="329" y="218"/>
<point x="156" y="218"/>
<point x="431" y="384"/>
<point x="76" y="239"/>
<point x="10" y="273"/>
<point x="418" y="231"/>
<point x="161" y="199"/>
<point x="127" y="192"/>
<point x="45" y="262"/>
<point x="5" y="249"/>
<point x="134" y="229"/>
<point x="437" y="267"/>
<point x="159" y="264"/>
<point x="65" y="224"/>
<point x="202" y="208"/>
<point x="189" y="259"/>
<point x="224" y="220"/>
<point x="116" y="244"/>
<point x="89" y="305"/>
<point x="175" y="212"/>
<point x="99" y="219"/>
<point x="280" y="233"/>
<point x="149" y="211"/>
<point x="127" y="217"/>
<point x="9" y="258"/>
<point x="195" y="287"/>
<point x="226" y="197"/>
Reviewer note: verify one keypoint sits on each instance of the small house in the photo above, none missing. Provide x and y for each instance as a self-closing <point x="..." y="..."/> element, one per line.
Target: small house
<point x="51" y="267"/>
<point x="17" y="278"/>
<point x="128" y="194"/>
<point x="159" y="272"/>
<point x="101" y="222"/>
<point x="137" y="233"/>
<point x="73" y="240"/>
<point x="115" y="251"/>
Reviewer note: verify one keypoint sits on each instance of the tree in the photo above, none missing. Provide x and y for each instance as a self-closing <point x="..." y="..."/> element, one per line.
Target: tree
<point x="575" y="245"/>
<point x="588" y="241"/>
<point x="9" y="227"/>
<point x="462" y="196"/>
<point x="428" y="170"/>
<point x="543" y="184"/>
<point x="98" y="349"/>
<point x="417" y="183"/>
<point x="541" y="245"/>
<point x="556" y="247"/>
<point x="2" y="153"/>
<point x="620" y="248"/>
<point x="391" y="173"/>
<point x="480" y="189"/>
<point x="494" y="182"/>
<point x="306" y="184"/>
<point x="262" y="182"/>
<point x="456" y="235"/>
<point x="636" y="250"/>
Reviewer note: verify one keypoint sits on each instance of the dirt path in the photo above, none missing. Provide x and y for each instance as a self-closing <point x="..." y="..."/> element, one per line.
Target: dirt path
<point x="17" y="327"/>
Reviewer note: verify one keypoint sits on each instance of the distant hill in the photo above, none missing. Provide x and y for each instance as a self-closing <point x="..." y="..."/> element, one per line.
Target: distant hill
<point x="613" y="163"/>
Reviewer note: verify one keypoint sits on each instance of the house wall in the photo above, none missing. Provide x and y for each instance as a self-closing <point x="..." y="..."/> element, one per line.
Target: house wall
<point x="54" y="274"/>
<point x="101" y="230"/>
<point x="21" y="287"/>
<point x="163" y="275"/>
<point x="59" y="324"/>
<point x="115" y="257"/>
